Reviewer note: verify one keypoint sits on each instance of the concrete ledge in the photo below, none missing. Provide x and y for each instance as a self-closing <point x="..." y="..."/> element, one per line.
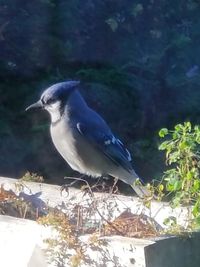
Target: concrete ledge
<point x="42" y="194"/>
<point x="21" y="242"/>
<point x="161" y="252"/>
<point x="18" y="240"/>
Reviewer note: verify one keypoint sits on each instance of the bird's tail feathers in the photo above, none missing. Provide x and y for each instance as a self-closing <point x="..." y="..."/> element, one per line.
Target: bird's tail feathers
<point x="138" y="185"/>
<point x="134" y="180"/>
<point x="141" y="190"/>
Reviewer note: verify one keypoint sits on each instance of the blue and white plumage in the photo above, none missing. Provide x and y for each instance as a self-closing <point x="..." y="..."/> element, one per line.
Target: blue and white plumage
<point x="83" y="138"/>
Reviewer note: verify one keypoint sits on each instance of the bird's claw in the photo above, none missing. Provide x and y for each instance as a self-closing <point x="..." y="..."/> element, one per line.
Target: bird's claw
<point x="65" y="187"/>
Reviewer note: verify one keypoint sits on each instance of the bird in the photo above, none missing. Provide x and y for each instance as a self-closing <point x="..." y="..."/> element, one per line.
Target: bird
<point x="83" y="138"/>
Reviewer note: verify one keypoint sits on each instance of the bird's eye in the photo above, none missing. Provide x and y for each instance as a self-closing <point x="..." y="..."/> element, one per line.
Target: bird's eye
<point x="50" y="101"/>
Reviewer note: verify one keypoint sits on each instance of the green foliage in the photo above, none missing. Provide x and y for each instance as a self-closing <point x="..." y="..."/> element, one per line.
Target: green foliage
<point x="182" y="178"/>
<point x="32" y="177"/>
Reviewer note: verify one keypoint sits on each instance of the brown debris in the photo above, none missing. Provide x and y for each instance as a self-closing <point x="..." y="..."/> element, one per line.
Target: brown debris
<point x="6" y="195"/>
<point x="131" y="225"/>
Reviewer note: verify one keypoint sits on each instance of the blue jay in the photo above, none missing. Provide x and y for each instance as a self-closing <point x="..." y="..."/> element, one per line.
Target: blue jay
<point x="83" y="138"/>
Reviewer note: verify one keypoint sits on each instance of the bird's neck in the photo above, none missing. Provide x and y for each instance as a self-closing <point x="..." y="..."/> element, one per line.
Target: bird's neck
<point x="55" y="117"/>
<point x="75" y="103"/>
<point x="75" y="106"/>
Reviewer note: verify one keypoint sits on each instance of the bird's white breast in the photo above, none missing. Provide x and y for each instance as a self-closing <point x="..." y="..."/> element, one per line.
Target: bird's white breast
<point x="64" y="139"/>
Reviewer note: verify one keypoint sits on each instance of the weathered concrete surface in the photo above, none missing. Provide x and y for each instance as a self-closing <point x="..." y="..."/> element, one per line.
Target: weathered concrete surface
<point x="37" y="258"/>
<point x="21" y="241"/>
<point x="39" y="194"/>
<point x="120" y="251"/>
<point x="18" y="239"/>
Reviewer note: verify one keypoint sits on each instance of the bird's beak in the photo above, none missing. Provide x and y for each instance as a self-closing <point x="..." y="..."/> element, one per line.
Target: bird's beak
<point x="37" y="105"/>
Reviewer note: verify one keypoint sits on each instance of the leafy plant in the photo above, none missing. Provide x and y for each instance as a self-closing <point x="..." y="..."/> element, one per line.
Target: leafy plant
<point x="32" y="177"/>
<point x="183" y="157"/>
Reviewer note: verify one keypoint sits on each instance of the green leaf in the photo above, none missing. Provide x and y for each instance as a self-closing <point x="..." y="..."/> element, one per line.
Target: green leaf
<point x="196" y="209"/>
<point x="173" y="157"/>
<point x="197" y="128"/>
<point x="190" y="175"/>
<point x="171" y="174"/>
<point x="188" y="125"/>
<point x="197" y="221"/>
<point x="175" y="135"/>
<point x="171" y="220"/>
<point x="163" y="132"/>
<point x="173" y="184"/>
<point x="183" y="145"/>
<point x="176" y="201"/>
<point x="178" y="127"/>
<point x="177" y="185"/>
<point x="197" y="139"/>
<point x="170" y="187"/>
<point x="196" y="185"/>
<point x="163" y="146"/>
<point x="161" y="188"/>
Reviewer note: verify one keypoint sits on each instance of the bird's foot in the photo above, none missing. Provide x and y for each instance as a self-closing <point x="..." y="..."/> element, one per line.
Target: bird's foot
<point x="85" y="188"/>
<point x="99" y="185"/>
<point x="65" y="187"/>
<point x="114" y="189"/>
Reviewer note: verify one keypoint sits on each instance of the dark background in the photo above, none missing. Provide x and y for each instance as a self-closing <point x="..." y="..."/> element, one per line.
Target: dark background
<point x="138" y="62"/>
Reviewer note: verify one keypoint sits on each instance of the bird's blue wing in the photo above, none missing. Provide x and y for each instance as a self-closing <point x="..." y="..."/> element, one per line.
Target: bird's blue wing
<point x="107" y="143"/>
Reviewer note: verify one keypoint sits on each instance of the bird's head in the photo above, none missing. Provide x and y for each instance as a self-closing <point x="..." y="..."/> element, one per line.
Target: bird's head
<point x="54" y="98"/>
